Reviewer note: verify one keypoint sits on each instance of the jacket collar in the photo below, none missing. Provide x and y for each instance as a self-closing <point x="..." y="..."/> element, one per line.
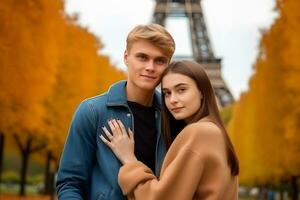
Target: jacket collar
<point x="117" y="95"/>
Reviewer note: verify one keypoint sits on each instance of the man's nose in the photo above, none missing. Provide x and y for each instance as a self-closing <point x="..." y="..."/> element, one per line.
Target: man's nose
<point x="150" y="66"/>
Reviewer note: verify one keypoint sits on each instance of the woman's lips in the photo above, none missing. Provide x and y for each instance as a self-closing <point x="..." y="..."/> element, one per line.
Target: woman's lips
<point x="177" y="109"/>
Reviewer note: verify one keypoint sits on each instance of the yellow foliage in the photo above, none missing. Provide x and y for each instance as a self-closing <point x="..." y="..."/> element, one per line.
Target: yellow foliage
<point x="48" y="65"/>
<point x="266" y="120"/>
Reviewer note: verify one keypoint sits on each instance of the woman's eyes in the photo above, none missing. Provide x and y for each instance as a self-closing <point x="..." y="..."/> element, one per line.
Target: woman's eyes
<point x="180" y="90"/>
<point x="166" y="94"/>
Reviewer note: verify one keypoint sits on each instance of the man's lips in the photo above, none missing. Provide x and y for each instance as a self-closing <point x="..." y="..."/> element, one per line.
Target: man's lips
<point x="147" y="76"/>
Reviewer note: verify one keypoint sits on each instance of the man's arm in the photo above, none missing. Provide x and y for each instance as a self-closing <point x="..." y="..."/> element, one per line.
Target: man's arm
<point x="73" y="177"/>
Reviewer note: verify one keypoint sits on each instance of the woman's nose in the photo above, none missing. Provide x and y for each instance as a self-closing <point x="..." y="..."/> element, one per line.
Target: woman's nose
<point x="173" y="98"/>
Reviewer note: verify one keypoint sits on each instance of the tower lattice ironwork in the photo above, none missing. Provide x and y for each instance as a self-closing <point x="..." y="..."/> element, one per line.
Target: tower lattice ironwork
<point x="201" y="47"/>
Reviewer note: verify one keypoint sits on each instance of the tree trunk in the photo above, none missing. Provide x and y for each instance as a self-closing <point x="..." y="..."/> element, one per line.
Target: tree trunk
<point x="2" y="137"/>
<point x="24" y="167"/>
<point x="26" y="151"/>
<point x="294" y="188"/>
<point x="47" y="180"/>
<point x="281" y="189"/>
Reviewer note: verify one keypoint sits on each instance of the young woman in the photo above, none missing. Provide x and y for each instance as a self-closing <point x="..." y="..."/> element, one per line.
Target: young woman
<point x="200" y="163"/>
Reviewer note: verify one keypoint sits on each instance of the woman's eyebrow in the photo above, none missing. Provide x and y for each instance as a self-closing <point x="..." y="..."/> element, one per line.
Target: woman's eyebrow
<point x="177" y="85"/>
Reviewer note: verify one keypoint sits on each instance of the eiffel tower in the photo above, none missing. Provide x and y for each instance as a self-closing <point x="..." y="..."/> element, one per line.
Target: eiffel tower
<point x="201" y="47"/>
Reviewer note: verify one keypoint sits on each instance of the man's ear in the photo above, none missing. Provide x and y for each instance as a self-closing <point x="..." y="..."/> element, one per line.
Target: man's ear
<point x="125" y="58"/>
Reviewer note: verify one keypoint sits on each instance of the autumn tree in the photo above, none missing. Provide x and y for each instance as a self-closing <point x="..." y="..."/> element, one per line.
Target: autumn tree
<point x="266" y="119"/>
<point x="27" y="73"/>
<point x="81" y="73"/>
<point x="48" y="65"/>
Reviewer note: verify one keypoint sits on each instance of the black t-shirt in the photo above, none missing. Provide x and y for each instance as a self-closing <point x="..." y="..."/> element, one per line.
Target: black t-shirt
<point x="145" y="133"/>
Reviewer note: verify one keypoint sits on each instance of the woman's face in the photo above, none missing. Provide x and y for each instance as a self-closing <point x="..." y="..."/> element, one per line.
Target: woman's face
<point x="181" y="96"/>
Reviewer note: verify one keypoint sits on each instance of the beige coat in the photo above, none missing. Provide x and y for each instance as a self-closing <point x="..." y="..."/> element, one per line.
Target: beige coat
<point x="195" y="167"/>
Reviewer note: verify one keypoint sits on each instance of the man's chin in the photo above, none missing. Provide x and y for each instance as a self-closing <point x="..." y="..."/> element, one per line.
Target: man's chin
<point x="149" y="87"/>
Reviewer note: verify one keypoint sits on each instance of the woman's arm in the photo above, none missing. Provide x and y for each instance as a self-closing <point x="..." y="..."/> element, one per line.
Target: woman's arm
<point x="198" y="149"/>
<point x="179" y="180"/>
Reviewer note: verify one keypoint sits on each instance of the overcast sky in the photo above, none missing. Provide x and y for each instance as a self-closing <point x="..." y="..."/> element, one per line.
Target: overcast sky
<point x="233" y="26"/>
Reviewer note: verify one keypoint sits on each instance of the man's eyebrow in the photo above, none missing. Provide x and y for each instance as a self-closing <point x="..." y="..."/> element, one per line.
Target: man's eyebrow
<point x="141" y="53"/>
<point x="161" y="57"/>
<point x="156" y="58"/>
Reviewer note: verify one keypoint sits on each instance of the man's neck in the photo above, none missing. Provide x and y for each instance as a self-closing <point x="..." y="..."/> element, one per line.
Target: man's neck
<point x="143" y="97"/>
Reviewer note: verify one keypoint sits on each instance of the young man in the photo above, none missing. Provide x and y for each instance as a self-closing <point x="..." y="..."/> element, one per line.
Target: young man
<point x="88" y="169"/>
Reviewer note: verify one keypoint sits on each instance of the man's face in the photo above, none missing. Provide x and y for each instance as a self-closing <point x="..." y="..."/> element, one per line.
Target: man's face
<point x="145" y="63"/>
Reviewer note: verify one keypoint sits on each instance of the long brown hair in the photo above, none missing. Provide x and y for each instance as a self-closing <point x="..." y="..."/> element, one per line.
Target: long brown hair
<point x="208" y="107"/>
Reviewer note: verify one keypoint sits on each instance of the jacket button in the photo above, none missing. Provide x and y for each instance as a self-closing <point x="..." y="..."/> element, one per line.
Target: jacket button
<point x="128" y="114"/>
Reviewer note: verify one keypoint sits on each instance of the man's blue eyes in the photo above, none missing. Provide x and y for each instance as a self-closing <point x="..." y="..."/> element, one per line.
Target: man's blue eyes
<point x="142" y="57"/>
<point x="159" y="61"/>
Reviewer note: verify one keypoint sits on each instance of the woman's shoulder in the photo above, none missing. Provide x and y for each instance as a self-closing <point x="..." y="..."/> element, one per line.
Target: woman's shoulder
<point x="203" y="136"/>
<point x="202" y="129"/>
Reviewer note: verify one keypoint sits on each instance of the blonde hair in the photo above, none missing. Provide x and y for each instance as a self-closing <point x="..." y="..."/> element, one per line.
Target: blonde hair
<point x="155" y="34"/>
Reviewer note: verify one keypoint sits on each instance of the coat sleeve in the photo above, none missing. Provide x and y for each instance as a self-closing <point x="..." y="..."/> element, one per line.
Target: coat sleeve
<point x="78" y="155"/>
<point x="137" y="181"/>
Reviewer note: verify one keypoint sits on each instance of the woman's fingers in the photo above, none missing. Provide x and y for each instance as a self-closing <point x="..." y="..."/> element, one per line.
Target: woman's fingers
<point x="121" y="143"/>
<point x="105" y="141"/>
<point x="107" y="133"/>
<point x="130" y="134"/>
<point x="122" y="127"/>
<point x="115" y="128"/>
<point x="112" y="127"/>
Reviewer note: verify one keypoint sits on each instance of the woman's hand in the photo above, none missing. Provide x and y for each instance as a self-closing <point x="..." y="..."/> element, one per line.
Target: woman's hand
<point x="121" y="143"/>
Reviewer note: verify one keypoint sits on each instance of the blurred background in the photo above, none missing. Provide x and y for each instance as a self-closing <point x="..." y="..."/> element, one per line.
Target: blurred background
<point x="56" y="53"/>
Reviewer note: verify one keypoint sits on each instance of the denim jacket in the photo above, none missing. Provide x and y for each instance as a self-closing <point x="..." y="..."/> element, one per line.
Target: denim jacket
<point x="88" y="168"/>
